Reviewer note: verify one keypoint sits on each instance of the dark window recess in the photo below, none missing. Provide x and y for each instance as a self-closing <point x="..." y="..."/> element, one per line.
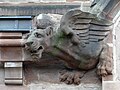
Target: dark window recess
<point x="15" y="23"/>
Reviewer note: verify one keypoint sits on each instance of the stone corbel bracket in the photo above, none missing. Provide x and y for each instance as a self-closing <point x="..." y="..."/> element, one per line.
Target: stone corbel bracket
<point x="11" y="44"/>
<point x="13" y="73"/>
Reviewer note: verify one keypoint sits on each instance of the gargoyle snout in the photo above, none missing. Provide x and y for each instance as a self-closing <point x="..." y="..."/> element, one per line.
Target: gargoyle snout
<point x="29" y="43"/>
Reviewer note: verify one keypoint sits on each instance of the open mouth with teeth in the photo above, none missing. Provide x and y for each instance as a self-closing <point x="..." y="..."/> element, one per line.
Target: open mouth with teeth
<point x="40" y="48"/>
<point x="36" y="53"/>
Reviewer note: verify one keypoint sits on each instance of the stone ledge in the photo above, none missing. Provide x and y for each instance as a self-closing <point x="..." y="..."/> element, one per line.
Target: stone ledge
<point x="10" y="35"/>
<point x="3" y="87"/>
<point x="36" y="8"/>
<point x="11" y="42"/>
<point x="111" y="85"/>
<point x="48" y="86"/>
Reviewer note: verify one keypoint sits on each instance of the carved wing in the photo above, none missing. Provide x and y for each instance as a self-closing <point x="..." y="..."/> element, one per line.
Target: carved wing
<point x="87" y="26"/>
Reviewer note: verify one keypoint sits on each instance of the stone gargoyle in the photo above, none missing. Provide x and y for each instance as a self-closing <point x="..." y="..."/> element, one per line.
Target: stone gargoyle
<point x="78" y="40"/>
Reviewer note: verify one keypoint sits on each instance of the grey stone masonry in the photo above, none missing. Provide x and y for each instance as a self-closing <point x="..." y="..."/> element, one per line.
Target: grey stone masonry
<point x="117" y="46"/>
<point x="111" y="85"/>
<point x="36" y="8"/>
<point x="47" y="86"/>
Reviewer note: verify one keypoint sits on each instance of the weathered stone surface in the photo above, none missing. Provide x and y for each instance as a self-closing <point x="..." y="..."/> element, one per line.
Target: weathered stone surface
<point x="48" y="71"/>
<point x="112" y="9"/>
<point x="12" y="64"/>
<point x="11" y="42"/>
<point x="48" y="86"/>
<point x="11" y="54"/>
<point x="91" y="88"/>
<point x="8" y="35"/>
<point x="111" y="85"/>
<point x="13" y="73"/>
<point x="13" y="82"/>
<point x="36" y="8"/>
<point x="108" y="78"/>
<point x="106" y="9"/>
<point x="2" y="75"/>
<point x="69" y="46"/>
<point x="3" y="87"/>
<point x="40" y="0"/>
<point x="117" y="51"/>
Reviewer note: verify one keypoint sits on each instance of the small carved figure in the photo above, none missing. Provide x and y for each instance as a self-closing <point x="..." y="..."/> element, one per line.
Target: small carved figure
<point x="79" y="42"/>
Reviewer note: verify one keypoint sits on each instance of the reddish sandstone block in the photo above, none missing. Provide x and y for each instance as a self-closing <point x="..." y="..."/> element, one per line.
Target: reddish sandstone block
<point x="11" y="54"/>
<point x="10" y="35"/>
<point x="108" y="78"/>
<point x="11" y="42"/>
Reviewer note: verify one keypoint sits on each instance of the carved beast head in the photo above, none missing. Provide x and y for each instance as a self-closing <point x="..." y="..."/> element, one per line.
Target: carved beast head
<point x="37" y="41"/>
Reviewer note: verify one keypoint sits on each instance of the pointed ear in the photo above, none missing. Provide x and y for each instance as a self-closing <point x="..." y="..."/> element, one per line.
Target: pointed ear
<point x="49" y="31"/>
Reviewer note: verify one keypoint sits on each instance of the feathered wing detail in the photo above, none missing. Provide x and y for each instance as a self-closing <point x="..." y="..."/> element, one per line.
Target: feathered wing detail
<point x="99" y="29"/>
<point x="87" y="26"/>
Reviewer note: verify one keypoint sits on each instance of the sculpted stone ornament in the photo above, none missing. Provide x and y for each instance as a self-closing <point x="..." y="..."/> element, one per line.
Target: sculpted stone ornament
<point x="78" y="41"/>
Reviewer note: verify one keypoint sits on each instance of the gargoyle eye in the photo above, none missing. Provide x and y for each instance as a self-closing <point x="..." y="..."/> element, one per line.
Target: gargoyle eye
<point x="38" y="35"/>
